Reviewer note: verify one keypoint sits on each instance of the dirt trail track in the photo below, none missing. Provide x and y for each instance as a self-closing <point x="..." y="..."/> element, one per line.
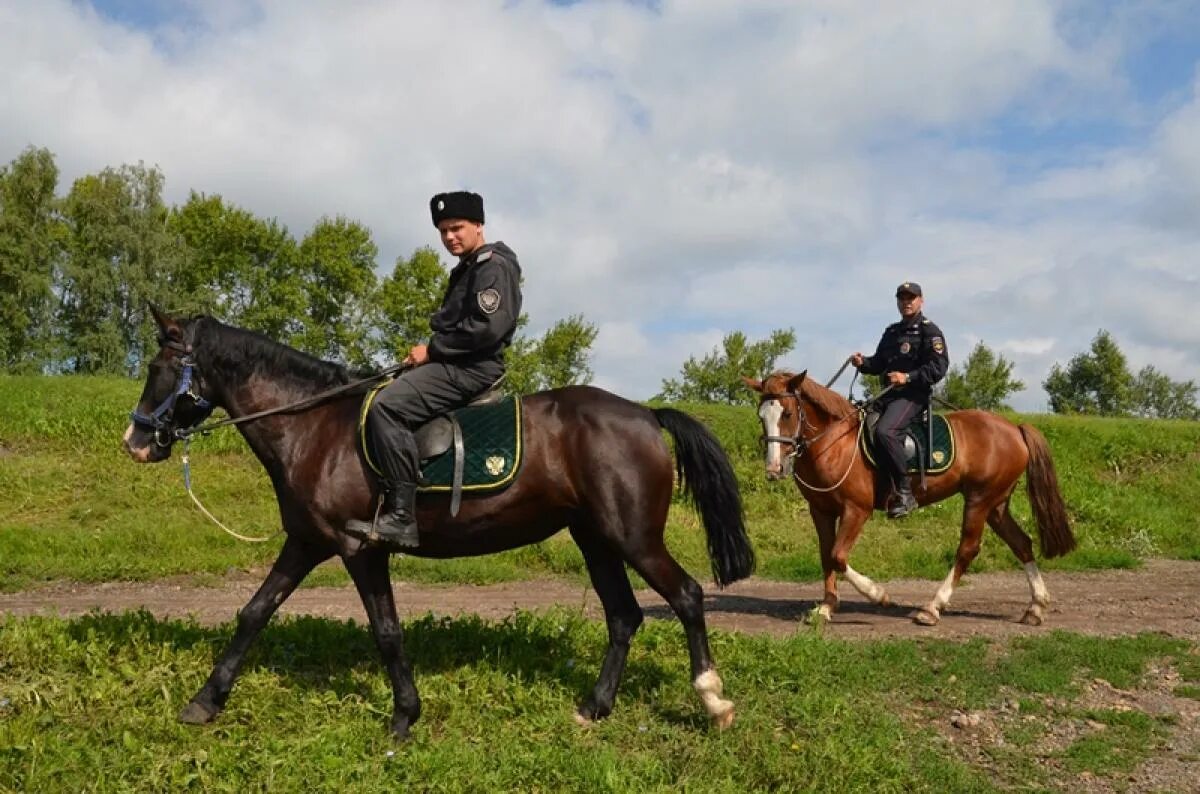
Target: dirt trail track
<point x="1164" y="596"/>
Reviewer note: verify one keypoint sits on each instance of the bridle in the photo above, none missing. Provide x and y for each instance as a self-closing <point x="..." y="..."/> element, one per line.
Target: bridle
<point x="800" y="444"/>
<point x="160" y="421"/>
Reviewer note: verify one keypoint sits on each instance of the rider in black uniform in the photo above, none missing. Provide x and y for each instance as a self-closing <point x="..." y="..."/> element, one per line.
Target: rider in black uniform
<point x="911" y="357"/>
<point x="463" y="357"/>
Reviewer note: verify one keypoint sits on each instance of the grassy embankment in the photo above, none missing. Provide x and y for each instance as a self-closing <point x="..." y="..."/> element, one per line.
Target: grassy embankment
<point x="73" y="506"/>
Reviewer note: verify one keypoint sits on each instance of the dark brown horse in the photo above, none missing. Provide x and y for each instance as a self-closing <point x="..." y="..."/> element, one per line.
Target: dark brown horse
<point x="594" y="463"/>
<point x="814" y="432"/>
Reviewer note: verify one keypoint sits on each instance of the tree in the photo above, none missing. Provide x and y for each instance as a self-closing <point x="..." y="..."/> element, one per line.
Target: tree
<point x="983" y="381"/>
<point x="31" y="241"/>
<point x="717" y="378"/>
<point x="1156" y="395"/>
<point x="337" y="264"/>
<point x="408" y="298"/>
<point x="560" y="357"/>
<point x="119" y="256"/>
<point x="1096" y="382"/>
<point x="239" y="268"/>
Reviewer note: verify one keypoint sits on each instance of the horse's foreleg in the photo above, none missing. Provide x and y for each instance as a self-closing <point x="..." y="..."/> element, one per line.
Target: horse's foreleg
<point x="826" y="525"/>
<point x="368" y="568"/>
<point x="686" y="599"/>
<point x="974" y="515"/>
<point x="1006" y="527"/>
<point x="293" y="564"/>
<point x="848" y="531"/>
<point x="621" y="612"/>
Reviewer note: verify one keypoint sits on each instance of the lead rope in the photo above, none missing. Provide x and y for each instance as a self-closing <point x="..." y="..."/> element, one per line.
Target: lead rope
<point x="187" y="484"/>
<point x="857" y="443"/>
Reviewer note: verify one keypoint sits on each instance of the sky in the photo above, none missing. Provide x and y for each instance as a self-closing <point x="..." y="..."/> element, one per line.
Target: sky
<point x="674" y="171"/>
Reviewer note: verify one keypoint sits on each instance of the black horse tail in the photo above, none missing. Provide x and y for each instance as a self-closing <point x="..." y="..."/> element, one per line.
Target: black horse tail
<point x="1054" y="528"/>
<point x="707" y="479"/>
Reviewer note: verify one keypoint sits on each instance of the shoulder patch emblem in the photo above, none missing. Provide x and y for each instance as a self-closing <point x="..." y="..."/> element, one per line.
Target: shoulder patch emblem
<point x="938" y="345"/>
<point x="489" y="300"/>
<point x="484" y="256"/>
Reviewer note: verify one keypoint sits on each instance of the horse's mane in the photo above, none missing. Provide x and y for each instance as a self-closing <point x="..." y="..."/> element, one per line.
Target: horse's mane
<point x="254" y="353"/>
<point x="827" y="400"/>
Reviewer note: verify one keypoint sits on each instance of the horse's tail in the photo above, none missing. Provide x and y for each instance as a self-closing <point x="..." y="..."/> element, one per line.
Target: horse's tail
<point x="1054" y="528"/>
<point x="707" y="479"/>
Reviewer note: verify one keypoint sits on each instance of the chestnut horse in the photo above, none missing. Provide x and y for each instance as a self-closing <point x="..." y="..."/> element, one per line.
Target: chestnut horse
<point x="814" y="433"/>
<point x="594" y="463"/>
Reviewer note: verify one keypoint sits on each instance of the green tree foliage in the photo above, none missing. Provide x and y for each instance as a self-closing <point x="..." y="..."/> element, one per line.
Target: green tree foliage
<point x="984" y="380"/>
<point x="337" y="262"/>
<point x="239" y="268"/>
<point x="1156" y="395"/>
<point x="407" y="298"/>
<point x="1095" y="382"/>
<point x="717" y="378"/>
<point x="120" y="255"/>
<point x="31" y="241"/>
<point x="560" y="357"/>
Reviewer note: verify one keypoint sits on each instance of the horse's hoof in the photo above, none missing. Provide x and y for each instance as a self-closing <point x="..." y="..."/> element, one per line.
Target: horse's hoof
<point x="196" y="714"/>
<point x="819" y="615"/>
<point x="583" y="721"/>
<point x="925" y="618"/>
<point x="400" y="731"/>
<point x="1031" y="618"/>
<point x="723" y="721"/>
<point x="885" y="600"/>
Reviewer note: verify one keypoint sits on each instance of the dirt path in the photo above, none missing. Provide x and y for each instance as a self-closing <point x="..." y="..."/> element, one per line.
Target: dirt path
<point x="1164" y="596"/>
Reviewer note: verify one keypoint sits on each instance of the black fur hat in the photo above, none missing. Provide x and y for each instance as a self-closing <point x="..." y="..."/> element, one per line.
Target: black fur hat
<point x="459" y="204"/>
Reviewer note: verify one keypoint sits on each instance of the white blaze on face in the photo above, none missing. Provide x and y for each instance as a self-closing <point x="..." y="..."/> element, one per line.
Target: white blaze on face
<point x="771" y="411"/>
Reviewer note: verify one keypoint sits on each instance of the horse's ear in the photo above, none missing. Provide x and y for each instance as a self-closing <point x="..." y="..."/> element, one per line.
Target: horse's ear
<point x="168" y="327"/>
<point x="797" y="381"/>
<point x="757" y="385"/>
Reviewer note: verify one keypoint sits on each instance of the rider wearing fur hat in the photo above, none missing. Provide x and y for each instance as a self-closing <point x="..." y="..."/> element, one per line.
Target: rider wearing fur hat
<point x="462" y="358"/>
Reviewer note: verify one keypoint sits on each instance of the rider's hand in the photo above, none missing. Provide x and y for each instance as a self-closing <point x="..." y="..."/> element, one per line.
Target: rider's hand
<point x="856" y="359"/>
<point x="897" y="378"/>
<point x="417" y="356"/>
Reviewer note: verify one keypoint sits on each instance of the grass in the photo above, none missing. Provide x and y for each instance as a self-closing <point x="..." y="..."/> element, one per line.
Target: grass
<point x="74" y="507"/>
<point x="88" y="704"/>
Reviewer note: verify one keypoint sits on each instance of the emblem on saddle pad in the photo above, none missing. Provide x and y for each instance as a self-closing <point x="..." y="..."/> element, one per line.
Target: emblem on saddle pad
<point x="494" y="465"/>
<point x="938" y="456"/>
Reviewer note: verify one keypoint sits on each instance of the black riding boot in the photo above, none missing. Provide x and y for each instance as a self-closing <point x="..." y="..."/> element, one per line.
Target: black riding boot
<point x="903" y="501"/>
<point x="397" y="522"/>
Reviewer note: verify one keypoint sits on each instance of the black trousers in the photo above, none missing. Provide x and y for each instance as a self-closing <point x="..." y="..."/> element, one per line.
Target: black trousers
<point x="889" y="436"/>
<point x="420" y="394"/>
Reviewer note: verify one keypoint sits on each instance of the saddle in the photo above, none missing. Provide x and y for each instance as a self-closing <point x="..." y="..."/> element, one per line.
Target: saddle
<point x="475" y="448"/>
<point x="928" y="443"/>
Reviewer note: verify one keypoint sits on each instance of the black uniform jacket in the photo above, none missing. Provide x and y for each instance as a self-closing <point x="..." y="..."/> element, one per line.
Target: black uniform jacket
<point x="479" y="311"/>
<point x="915" y="347"/>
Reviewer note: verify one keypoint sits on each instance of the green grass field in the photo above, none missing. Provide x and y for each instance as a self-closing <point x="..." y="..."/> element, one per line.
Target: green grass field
<point x="89" y="705"/>
<point x="75" y="507"/>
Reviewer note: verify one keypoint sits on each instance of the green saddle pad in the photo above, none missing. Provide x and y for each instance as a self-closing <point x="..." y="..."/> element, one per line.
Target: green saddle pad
<point x="938" y="458"/>
<point x="491" y="443"/>
<point x="491" y="446"/>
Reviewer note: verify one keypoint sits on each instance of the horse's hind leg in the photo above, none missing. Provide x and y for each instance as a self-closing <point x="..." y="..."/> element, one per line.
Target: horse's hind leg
<point x="621" y="612"/>
<point x="1002" y="522"/>
<point x="295" y="561"/>
<point x="975" y="512"/>
<point x="368" y="568"/>
<point x="656" y="565"/>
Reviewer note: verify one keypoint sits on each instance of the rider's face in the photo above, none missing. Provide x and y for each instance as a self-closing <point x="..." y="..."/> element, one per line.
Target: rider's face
<point x="459" y="236"/>
<point x="909" y="304"/>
